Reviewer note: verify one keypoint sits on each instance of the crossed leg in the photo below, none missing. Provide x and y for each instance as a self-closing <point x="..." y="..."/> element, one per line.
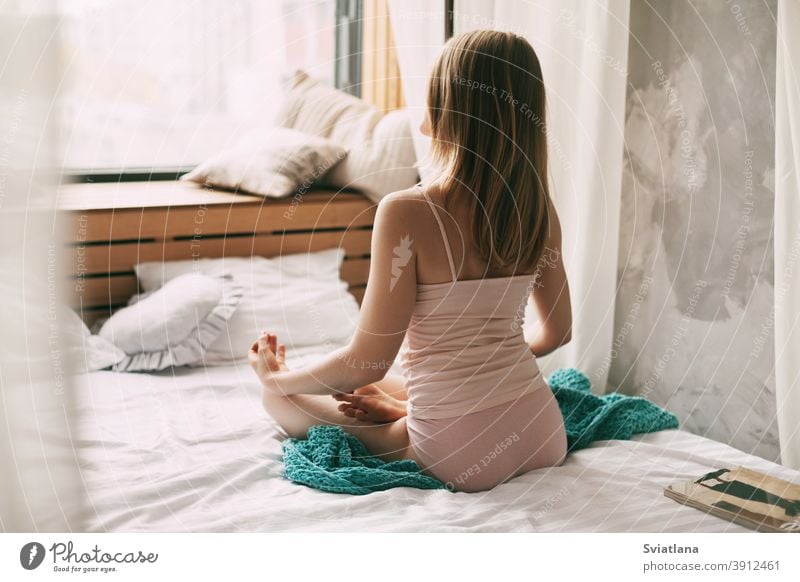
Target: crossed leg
<point x="297" y="413"/>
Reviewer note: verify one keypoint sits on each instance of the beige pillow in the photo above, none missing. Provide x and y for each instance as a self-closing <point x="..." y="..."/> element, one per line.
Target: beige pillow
<point x="381" y="157"/>
<point x="274" y="163"/>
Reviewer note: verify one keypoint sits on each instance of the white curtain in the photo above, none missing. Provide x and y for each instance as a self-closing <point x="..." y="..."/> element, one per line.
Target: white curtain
<point x="787" y="233"/>
<point x="40" y="487"/>
<point x="418" y="32"/>
<point x="583" y="48"/>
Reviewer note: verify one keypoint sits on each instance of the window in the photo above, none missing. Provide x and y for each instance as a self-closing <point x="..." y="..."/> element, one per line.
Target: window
<point x="152" y="85"/>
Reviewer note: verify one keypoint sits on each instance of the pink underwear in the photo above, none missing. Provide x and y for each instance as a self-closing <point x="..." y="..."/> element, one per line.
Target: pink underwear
<point x="478" y="451"/>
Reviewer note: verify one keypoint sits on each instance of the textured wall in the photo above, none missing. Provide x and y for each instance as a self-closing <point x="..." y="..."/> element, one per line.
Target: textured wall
<point x="693" y="328"/>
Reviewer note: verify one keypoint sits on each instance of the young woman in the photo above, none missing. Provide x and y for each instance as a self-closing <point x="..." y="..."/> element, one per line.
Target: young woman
<point x="453" y="264"/>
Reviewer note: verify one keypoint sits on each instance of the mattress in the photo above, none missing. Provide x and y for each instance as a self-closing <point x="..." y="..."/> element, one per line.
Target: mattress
<point x="192" y="450"/>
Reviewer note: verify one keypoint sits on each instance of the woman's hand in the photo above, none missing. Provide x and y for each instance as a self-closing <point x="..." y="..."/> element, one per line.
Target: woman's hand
<point x="267" y="358"/>
<point x="371" y="404"/>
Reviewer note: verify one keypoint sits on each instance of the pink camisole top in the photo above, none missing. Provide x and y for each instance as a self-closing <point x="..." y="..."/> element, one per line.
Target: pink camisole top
<point x="465" y="351"/>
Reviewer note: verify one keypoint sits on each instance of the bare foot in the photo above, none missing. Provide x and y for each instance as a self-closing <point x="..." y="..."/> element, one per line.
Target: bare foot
<point x="370" y="403"/>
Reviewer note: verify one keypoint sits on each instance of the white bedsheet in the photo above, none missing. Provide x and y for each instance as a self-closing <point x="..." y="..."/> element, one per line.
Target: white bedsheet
<point x="192" y="450"/>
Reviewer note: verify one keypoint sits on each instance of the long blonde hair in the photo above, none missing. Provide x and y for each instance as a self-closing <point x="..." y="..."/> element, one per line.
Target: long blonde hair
<point x="486" y="103"/>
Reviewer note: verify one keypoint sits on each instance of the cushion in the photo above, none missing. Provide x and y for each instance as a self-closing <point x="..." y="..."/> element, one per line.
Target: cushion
<point x="87" y="352"/>
<point x="300" y="297"/>
<point x="174" y="325"/>
<point x="381" y="156"/>
<point x="275" y="163"/>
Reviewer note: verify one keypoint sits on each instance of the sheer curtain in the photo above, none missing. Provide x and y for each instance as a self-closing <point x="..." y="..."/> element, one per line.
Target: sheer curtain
<point x="787" y="233"/>
<point x="418" y="30"/>
<point x="583" y="48"/>
<point x="40" y="487"/>
<point x="165" y="84"/>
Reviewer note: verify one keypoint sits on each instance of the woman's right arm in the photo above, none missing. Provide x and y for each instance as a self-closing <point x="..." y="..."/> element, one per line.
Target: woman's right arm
<point x="384" y="317"/>
<point x="550" y="296"/>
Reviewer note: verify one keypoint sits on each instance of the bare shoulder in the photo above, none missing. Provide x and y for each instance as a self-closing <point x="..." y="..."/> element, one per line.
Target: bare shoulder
<point x="400" y="208"/>
<point x="413" y="194"/>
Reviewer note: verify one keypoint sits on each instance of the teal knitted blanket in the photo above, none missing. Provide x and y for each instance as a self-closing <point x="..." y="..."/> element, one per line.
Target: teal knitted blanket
<point x="589" y="418"/>
<point x="332" y="460"/>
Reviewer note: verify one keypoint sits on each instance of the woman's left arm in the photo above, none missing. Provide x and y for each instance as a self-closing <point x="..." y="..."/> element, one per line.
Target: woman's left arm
<point x="551" y="300"/>
<point x="385" y="312"/>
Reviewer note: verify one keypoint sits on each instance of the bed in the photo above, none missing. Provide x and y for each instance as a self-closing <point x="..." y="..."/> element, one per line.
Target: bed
<point x="191" y="449"/>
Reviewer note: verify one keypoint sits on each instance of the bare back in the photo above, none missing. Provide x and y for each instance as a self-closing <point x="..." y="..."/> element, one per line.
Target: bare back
<point x="432" y="262"/>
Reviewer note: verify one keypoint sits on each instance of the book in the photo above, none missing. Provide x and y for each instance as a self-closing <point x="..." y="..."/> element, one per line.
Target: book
<point x="743" y="496"/>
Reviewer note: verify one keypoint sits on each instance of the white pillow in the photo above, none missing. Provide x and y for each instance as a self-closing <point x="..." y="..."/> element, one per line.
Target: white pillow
<point x="383" y="162"/>
<point x="273" y="163"/>
<point x="381" y="156"/>
<point x="174" y="325"/>
<point x="87" y="352"/>
<point x="300" y="297"/>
